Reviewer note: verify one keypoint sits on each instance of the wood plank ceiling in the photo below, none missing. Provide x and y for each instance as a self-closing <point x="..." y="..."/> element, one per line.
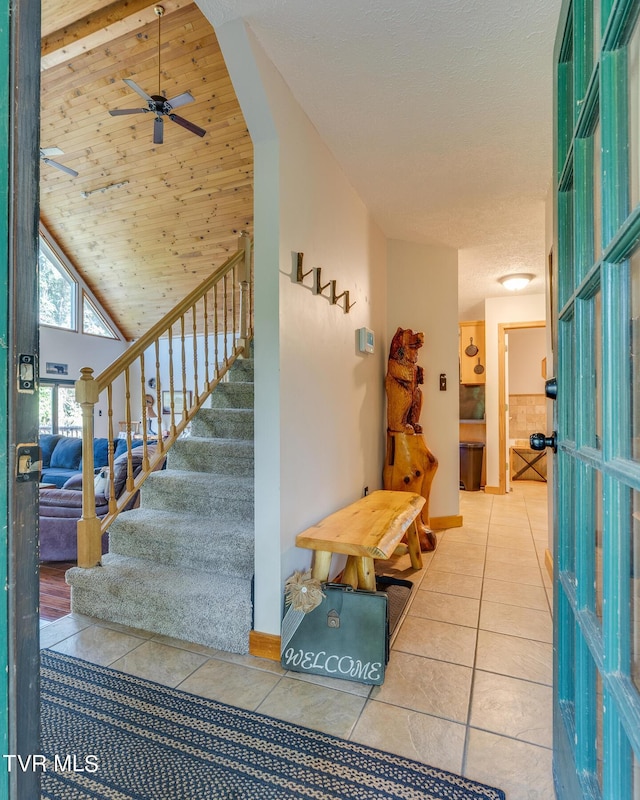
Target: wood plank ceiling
<point x="143" y="223"/>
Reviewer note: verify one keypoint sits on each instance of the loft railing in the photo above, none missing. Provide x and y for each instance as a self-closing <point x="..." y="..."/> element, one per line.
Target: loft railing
<point x="189" y="351"/>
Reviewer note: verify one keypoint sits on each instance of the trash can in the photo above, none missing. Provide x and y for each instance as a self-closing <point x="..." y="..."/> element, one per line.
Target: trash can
<point x="471" y="454"/>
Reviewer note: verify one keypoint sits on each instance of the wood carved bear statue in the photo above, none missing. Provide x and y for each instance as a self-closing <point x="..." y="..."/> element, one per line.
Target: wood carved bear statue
<point x="409" y="464"/>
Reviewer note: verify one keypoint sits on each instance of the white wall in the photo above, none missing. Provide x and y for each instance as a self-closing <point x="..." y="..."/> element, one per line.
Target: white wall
<point x="319" y="402"/>
<point x="527" y="348"/>
<point x="79" y="350"/>
<point x="422" y="294"/>
<point x="498" y="310"/>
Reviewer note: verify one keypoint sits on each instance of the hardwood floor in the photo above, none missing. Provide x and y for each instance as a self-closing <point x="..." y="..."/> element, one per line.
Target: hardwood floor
<point x="55" y="595"/>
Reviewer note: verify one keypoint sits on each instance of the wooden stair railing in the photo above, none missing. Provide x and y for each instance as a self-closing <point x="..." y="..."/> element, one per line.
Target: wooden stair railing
<point x="213" y="325"/>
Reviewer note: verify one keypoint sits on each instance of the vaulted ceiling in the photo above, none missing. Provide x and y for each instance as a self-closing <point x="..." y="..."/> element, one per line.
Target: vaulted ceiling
<point x="143" y="223"/>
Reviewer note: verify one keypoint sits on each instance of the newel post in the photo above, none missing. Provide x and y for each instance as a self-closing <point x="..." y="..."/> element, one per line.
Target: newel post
<point x="89" y="534"/>
<point x="244" y="243"/>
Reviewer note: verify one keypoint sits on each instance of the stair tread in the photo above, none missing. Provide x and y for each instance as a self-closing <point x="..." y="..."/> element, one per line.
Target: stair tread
<point x="178" y="520"/>
<point x="137" y="573"/>
<point x="209" y="478"/>
<point x="212" y="609"/>
<point x="236" y="444"/>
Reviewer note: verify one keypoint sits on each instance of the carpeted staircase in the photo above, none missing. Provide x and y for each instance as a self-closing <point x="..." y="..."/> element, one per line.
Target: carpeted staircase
<point x="182" y="564"/>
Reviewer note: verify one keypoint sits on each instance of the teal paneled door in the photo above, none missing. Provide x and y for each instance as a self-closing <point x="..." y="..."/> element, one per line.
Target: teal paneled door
<point x="5" y="73"/>
<point x="19" y="663"/>
<point x="597" y="476"/>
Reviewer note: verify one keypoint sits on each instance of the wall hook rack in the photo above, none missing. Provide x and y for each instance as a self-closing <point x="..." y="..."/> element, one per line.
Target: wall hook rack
<point x="318" y="288"/>
<point x="335" y="297"/>
<point x="300" y="275"/>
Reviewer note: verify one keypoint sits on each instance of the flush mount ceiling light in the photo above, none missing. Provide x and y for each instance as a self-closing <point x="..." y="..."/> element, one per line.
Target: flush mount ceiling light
<point x="517" y="281"/>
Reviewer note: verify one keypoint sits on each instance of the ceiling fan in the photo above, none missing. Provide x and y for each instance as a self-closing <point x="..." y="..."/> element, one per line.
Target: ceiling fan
<point x="45" y="152"/>
<point x="159" y="105"/>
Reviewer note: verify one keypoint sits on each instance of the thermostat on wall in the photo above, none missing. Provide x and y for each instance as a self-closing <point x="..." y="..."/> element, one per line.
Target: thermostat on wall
<point x="366" y="340"/>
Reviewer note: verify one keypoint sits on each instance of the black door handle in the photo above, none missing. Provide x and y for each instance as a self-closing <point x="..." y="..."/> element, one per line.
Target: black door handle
<point x="538" y="441"/>
<point x="551" y="388"/>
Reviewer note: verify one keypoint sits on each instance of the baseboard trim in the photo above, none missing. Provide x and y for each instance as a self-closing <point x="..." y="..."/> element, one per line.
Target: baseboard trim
<point x="548" y="562"/>
<point x="264" y="645"/>
<point x="493" y="490"/>
<point x="441" y="523"/>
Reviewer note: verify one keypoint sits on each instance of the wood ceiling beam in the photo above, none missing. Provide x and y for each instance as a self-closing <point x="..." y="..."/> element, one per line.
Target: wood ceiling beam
<point x="99" y="28"/>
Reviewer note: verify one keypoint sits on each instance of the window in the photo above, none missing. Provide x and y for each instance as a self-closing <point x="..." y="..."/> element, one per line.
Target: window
<point x="58" y="291"/>
<point x="59" y="411"/>
<point x="64" y="299"/>
<point x="92" y="320"/>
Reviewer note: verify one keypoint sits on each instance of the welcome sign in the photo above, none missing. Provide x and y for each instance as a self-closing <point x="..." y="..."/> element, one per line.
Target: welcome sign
<point x="345" y="637"/>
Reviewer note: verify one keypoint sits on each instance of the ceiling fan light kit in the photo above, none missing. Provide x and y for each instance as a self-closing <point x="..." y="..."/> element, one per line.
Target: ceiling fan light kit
<point x="517" y="281"/>
<point x="158" y="104"/>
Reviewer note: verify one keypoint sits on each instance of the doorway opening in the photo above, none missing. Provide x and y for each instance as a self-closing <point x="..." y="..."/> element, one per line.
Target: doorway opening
<point x="520" y="398"/>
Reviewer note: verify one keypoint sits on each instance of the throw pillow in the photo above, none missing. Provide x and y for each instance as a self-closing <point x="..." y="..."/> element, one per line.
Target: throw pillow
<point x="100" y="453"/>
<point x="67" y="453"/>
<point x="48" y="442"/>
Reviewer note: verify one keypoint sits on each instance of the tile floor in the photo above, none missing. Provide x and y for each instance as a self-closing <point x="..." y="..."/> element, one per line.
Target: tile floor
<point x="468" y="685"/>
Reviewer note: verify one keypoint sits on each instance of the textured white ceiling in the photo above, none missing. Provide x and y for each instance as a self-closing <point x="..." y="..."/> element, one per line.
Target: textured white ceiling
<point x="439" y="111"/>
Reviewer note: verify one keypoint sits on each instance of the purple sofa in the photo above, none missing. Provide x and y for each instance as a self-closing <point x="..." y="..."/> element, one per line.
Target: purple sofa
<point x="60" y="510"/>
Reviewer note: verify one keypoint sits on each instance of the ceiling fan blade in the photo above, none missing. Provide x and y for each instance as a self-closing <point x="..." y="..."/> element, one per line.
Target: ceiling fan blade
<point x="117" y="112"/>
<point x="133" y="85"/>
<point x="68" y="170"/>
<point x="45" y="152"/>
<point x="158" y="131"/>
<point x="179" y="100"/>
<point x="188" y="125"/>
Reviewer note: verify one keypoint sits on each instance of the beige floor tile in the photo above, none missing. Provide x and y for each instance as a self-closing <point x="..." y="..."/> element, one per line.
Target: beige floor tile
<point x="517" y="522"/>
<point x="528" y="623"/>
<point x="61" y="629"/>
<point x="511" y="655"/>
<point x="510" y="556"/>
<point x="439" y="640"/>
<point x="522" y="542"/>
<point x="522" y="771"/>
<point x="511" y="707"/>
<point x="460" y="564"/>
<point x="265" y="664"/>
<point x="450" y="583"/>
<point x="116" y="626"/>
<point x="446" y="608"/>
<point x="159" y="662"/>
<point x="540" y="533"/>
<point x="515" y="573"/>
<point x="230" y="683"/>
<point x="462" y="549"/>
<point x="201" y="649"/>
<point x="467" y="535"/>
<point x="422" y="684"/>
<point x="431" y="740"/>
<point x="352" y="687"/>
<point x="98" y="645"/>
<point x="313" y="706"/>
<point x="514" y="531"/>
<point x="515" y="594"/>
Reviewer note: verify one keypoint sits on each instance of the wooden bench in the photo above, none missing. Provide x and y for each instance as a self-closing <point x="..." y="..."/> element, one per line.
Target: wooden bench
<point x="370" y="528"/>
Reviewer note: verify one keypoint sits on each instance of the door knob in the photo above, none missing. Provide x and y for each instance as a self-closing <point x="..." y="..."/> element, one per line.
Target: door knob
<point x="538" y="441"/>
<point x="551" y="388"/>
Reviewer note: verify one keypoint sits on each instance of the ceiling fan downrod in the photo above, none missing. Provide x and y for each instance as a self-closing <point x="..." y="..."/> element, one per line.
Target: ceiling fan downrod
<point x="159" y="12"/>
